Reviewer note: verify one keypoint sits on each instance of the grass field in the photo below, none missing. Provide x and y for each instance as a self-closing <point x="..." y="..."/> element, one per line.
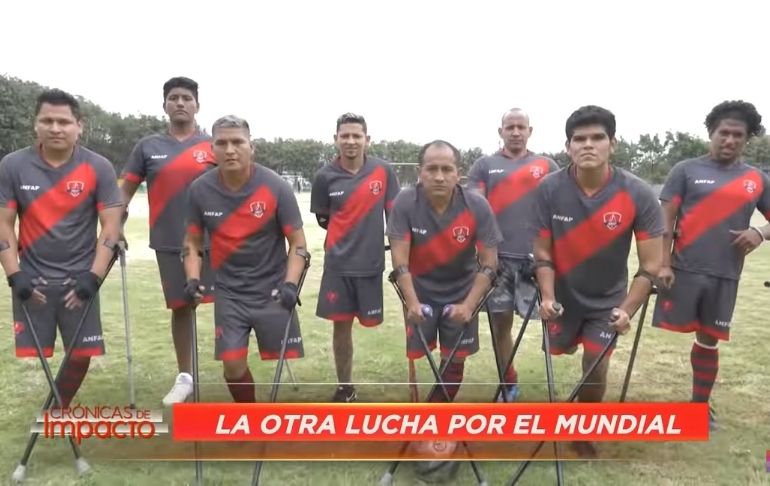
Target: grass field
<point x="733" y="455"/>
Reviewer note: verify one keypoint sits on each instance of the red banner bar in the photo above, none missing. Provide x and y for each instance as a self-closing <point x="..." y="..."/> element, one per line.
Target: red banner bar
<point x="429" y="421"/>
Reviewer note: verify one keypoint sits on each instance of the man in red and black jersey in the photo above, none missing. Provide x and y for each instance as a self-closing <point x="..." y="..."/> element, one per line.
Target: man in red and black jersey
<point x="710" y="201"/>
<point x="249" y="213"/>
<point x="443" y="242"/>
<point x="169" y="162"/>
<point x="508" y="180"/>
<point x="59" y="190"/>
<point x="586" y="215"/>
<point x="349" y="197"/>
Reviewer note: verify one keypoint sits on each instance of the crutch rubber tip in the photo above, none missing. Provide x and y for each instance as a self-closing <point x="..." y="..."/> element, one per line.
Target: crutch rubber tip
<point x="81" y="466"/>
<point x="557" y="307"/>
<point x="387" y="479"/>
<point x="132" y="406"/>
<point x="427" y="311"/>
<point x="19" y="474"/>
<point x="447" y="310"/>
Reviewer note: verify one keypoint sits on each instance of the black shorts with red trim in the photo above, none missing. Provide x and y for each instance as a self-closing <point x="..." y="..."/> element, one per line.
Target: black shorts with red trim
<point x="344" y="298"/>
<point x="446" y="331"/>
<point x="234" y="318"/>
<point x="46" y="317"/>
<point x="172" y="278"/>
<point x="579" y="326"/>
<point x="697" y="302"/>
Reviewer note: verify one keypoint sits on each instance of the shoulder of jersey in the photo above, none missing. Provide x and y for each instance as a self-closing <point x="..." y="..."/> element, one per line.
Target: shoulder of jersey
<point x="93" y="157"/>
<point x="18" y="156"/>
<point x="150" y="137"/>
<point x="205" y="178"/>
<point x="271" y="175"/>
<point x="407" y="192"/>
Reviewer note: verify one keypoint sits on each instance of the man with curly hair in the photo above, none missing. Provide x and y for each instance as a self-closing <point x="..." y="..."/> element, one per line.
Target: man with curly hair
<point x="710" y="201"/>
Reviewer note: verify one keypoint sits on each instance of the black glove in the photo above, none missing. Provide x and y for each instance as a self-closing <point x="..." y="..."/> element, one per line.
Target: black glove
<point x="22" y="286"/>
<point x="191" y="288"/>
<point x="286" y="294"/>
<point x="87" y="285"/>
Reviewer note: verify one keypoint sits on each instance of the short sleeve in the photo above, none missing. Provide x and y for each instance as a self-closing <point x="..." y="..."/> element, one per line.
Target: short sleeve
<point x="7" y="193"/>
<point x="393" y="188"/>
<point x="649" y="215"/>
<point x="477" y="176"/>
<point x="194" y="213"/>
<point x="399" y="227"/>
<point x="288" y="214"/>
<point x="319" y="195"/>
<point x="675" y="185"/>
<point x="135" y="169"/>
<point x="487" y="231"/>
<point x="542" y="212"/>
<point x="107" y="192"/>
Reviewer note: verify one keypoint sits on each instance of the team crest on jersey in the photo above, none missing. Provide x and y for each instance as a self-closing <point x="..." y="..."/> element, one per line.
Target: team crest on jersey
<point x="612" y="219"/>
<point x="200" y="156"/>
<point x="375" y="187"/>
<point x="536" y="171"/>
<point x="257" y="209"/>
<point x="461" y="233"/>
<point x="750" y="186"/>
<point x="75" y="188"/>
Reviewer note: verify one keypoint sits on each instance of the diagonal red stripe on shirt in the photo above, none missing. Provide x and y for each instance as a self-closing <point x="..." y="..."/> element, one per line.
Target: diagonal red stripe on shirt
<point x="174" y="178"/>
<point x="246" y="220"/>
<point x="445" y="246"/>
<point x="592" y="235"/>
<point x="72" y="190"/>
<point x="356" y="207"/>
<point x="518" y="184"/>
<point x="716" y="207"/>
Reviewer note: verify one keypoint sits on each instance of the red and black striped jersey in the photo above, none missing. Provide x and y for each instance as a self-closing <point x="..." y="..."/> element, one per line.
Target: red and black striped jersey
<point x="168" y="166"/>
<point x="58" y="208"/>
<point x="713" y="199"/>
<point x="247" y="230"/>
<point x="354" y="204"/>
<point x="509" y="186"/>
<point x="442" y="257"/>
<point x="591" y="236"/>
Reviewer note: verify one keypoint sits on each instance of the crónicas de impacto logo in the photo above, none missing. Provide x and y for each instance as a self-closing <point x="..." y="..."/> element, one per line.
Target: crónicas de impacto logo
<point x="100" y="422"/>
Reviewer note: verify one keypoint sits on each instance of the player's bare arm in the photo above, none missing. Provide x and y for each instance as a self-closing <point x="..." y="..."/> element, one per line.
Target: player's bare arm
<point x="666" y="275"/>
<point x="649" y="252"/>
<point x="546" y="276"/>
<point x="128" y="189"/>
<point x="9" y="258"/>
<point x="296" y="258"/>
<point x="192" y="254"/>
<point x="399" y="253"/>
<point x="109" y="221"/>
<point x="9" y="255"/>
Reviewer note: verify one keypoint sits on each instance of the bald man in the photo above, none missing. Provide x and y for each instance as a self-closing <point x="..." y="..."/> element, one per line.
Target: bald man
<point x="508" y="179"/>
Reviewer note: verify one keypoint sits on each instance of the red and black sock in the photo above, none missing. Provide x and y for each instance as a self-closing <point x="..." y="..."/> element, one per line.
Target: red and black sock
<point x="242" y="388"/>
<point x="705" y="365"/>
<point x="452" y="378"/>
<point x="511" y="376"/>
<point x="71" y="378"/>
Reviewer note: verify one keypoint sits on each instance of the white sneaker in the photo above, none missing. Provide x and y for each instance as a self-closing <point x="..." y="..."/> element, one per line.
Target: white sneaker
<point x="183" y="388"/>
